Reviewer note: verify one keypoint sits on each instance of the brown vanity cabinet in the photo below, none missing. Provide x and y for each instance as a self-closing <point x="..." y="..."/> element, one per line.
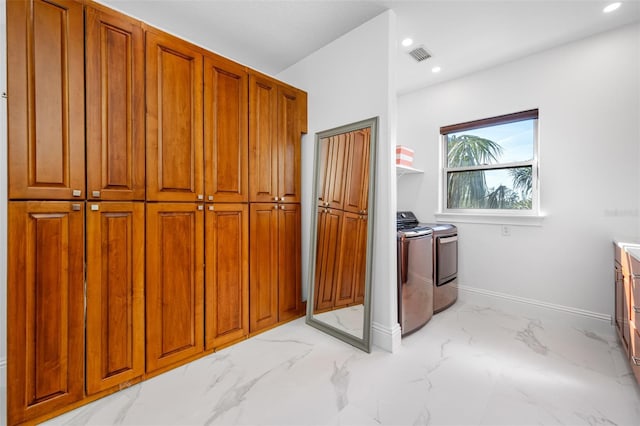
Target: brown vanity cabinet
<point x="45" y="86"/>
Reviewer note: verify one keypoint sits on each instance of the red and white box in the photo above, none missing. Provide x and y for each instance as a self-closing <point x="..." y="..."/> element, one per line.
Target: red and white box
<point x="404" y="156"/>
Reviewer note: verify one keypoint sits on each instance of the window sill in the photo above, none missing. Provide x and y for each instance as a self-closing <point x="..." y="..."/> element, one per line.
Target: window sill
<point x="494" y="219"/>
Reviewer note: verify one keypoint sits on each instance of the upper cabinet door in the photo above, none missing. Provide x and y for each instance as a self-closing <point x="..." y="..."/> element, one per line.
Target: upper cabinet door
<point x="356" y="194"/>
<point x="226" y="131"/>
<point x="289" y="134"/>
<point x="115" y="106"/>
<point x="263" y="134"/>
<point x="174" y="119"/>
<point x="45" y="61"/>
<point x="45" y="309"/>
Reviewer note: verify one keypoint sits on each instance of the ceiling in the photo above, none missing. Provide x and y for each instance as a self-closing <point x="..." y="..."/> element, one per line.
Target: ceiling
<point x="462" y="36"/>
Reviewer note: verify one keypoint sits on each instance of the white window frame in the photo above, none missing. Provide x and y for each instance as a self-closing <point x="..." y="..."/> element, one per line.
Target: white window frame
<point x="531" y="216"/>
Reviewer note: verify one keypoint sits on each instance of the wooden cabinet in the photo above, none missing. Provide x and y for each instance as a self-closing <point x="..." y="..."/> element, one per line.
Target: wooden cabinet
<point x="115" y="106"/>
<point x="328" y="253"/>
<point x="357" y="172"/>
<point x="332" y="171"/>
<point x="45" y="78"/>
<point x="226" y="130"/>
<point x="621" y="300"/>
<point x="227" y="273"/>
<point x="627" y="302"/>
<point x="274" y="269"/>
<point x="174" y="285"/>
<point x="289" y="262"/>
<point x="277" y="118"/>
<point x="174" y="117"/>
<point x="45" y="308"/>
<point x="352" y="260"/>
<point x="115" y="293"/>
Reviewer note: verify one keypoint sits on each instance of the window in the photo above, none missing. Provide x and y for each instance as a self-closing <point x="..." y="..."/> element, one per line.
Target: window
<point x="490" y="165"/>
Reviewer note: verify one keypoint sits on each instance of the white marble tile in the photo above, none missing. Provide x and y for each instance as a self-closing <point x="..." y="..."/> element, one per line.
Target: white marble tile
<point x="469" y="365"/>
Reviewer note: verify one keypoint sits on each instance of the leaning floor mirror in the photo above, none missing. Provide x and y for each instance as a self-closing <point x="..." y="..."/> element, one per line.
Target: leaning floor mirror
<point x="339" y="301"/>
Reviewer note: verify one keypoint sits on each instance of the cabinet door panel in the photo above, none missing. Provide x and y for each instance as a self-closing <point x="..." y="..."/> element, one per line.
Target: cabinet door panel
<point x="357" y="185"/>
<point x="174" y="119"/>
<point x="328" y="249"/>
<point x="45" y="308"/>
<point x="348" y="265"/>
<point x="115" y="106"/>
<point x="227" y="273"/>
<point x="174" y="284"/>
<point x="337" y="175"/>
<point x="361" y="259"/>
<point x="263" y="266"/>
<point x="288" y="146"/>
<point x="263" y="145"/>
<point x="115" y="294"/>
<point x="226" y="131"/>
<point x="289" y="275"/>
<point x="45" y="54"/>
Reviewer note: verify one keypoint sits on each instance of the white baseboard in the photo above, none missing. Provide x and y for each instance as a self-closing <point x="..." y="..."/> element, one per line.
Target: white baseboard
<point x="580" y="317"/>
<point x="386" y="338"/>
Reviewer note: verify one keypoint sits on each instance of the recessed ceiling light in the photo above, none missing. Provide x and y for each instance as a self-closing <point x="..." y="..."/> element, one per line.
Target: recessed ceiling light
<point x="612" y="7"/>
<point x="407" y="42"/>
<point x="436" y="69"/>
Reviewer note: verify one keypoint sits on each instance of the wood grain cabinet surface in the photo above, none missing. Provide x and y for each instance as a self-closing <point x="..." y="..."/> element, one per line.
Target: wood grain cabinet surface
<point x="226" y="131"/>
<point x="356" y="193"/>
<point x="114" y="106"/>
<point x="115" y="293"/>
<point x="45" y="308"/>
<point x="174" y="284"/>
<point x="350" y="274"/>
<point x="174" y="71"/>
<point x="327" y="258"/>
<point x="45" y="79"/>
<point x="277" y="119"/>
<point x="274" y="269"/>
<point x="227" y="273"/>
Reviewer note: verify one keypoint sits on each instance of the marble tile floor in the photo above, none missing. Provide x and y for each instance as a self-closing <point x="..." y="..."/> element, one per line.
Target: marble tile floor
<point x="470" y="365"/>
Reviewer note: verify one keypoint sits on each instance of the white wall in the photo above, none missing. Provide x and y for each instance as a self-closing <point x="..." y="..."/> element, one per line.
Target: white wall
<point x="588" y="95"/>
<point x="3" y="214"/>
<point x="349" y="80"/>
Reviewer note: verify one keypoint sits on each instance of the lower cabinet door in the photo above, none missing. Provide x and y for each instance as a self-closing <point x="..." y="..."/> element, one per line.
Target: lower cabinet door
<point x="227" y="273"/>
<point x="361" y="259"/>
<point x="45" y="308"/>
<point x="328" y="253"/>
<point x="348" y="264"/>
<point x="174" y="283"/>
<point x="115" y="293"/>
<point x="263" y="265"/>
<point x="289" y="264"/>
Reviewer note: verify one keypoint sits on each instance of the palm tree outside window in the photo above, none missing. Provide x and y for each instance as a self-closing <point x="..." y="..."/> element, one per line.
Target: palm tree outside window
<point x="491" y="164"/>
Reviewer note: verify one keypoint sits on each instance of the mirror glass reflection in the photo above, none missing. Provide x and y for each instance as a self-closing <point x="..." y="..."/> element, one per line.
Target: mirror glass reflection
<point x="339" y="297"/>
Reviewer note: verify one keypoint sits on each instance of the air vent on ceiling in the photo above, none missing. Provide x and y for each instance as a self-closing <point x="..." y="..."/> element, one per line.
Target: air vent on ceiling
<point x="419" y="54"/>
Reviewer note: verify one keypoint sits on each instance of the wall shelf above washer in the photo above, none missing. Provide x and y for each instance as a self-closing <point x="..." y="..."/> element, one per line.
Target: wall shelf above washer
<point x="405" y="170"/>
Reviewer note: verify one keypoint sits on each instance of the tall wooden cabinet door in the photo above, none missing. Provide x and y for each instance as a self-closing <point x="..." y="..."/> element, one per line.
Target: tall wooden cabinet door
<point x="115" y="106"/>
<point x="45" y="78"/>
<point x="45" y="308"/>
<point x="357" y="185"/>
<point x="289" y="148"/>
<point x="115" y="294"/>
<point x="348" y="264"/>
<point x="263" y="265"/>
<point x="263" y="139"/>
<point x="174" y="284"/>
<point x="361" y="259"/>
<point x="328" y="252"/>
<point x="227" y="273"/>
<point x="174" y="119"/>
<point x="289" y="262"/>
<point x="337" y="171"/>
<point x="226" y="131"/>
